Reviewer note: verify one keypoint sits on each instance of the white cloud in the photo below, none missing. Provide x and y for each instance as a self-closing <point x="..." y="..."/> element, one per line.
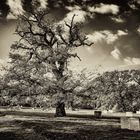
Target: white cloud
<point x="110" y="37"/>
<point x="15" y="8"/>
<point x="80" y="17"/>
<point x="116" y="53"/>
<point x="105" y="9"/>
<point x="122" y="33"/>
<point x="138" y="29"/>
<point x="132" y="61"/>
<point x="118" y="20"/>
<point x="96" y="37"/>
<point x="73" y="8"/>
<point x="106" y="35"/>
<point x="79" y="14"/>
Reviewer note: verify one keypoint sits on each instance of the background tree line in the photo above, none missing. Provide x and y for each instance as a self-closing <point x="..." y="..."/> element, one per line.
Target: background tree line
<point x="118" y="90"/>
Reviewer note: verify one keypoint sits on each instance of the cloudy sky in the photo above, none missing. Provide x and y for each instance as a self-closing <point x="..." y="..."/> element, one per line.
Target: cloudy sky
<point x="113" y="26"/>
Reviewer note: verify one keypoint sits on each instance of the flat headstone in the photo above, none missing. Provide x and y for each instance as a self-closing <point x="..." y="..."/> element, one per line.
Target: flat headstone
<point x="131" y="123"/>
<point x="134" y="124"/>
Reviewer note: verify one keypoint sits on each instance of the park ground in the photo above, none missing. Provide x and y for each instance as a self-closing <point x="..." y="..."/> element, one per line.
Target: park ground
<point x="42" y="125"/>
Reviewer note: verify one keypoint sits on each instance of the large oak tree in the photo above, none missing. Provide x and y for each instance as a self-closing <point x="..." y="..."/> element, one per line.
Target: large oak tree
<point x="45" y="43"/>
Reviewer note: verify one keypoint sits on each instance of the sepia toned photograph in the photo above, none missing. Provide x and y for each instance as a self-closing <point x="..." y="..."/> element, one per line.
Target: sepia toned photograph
<point x="69" y="69"/>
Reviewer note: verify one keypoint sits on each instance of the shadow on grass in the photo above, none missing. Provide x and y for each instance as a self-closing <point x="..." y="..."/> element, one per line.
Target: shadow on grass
<point x="58" y="129"/>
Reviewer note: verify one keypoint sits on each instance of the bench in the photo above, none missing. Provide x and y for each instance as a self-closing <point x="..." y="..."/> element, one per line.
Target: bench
<point x="97" y="113"/>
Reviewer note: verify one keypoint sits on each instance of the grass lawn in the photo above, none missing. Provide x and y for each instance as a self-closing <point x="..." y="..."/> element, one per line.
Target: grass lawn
<point x="43" y="126"/>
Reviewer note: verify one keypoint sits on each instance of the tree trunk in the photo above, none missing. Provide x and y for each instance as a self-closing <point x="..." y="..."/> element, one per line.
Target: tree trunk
<point x="58" y="72"/>
<point x="60" y="109"/>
